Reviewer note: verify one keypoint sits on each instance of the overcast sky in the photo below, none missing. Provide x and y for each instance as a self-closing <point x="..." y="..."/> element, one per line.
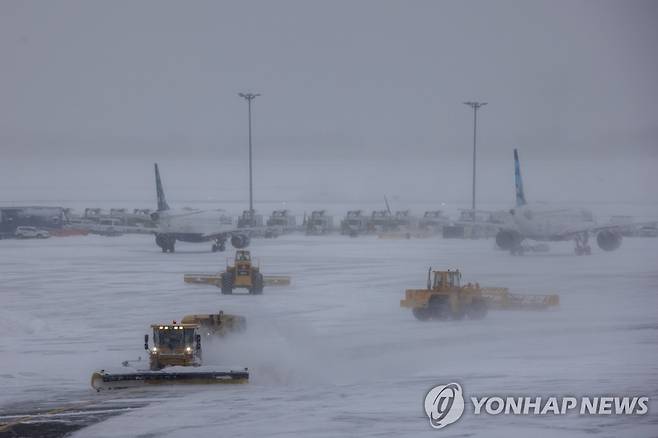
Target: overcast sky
<point x="357" y="80"/>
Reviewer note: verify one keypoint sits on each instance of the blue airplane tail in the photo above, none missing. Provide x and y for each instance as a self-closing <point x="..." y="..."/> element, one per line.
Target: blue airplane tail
<point x="162" y="202"/>
<point x="518" y="182"/>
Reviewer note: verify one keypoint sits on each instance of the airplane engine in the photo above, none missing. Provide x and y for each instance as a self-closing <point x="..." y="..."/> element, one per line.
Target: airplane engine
<point x="165" y="242"/>
<point x="508" y="239"/>
<point x="240" y="241"/>
<point x="161" y="240"/>
<point x="608" y="240"/>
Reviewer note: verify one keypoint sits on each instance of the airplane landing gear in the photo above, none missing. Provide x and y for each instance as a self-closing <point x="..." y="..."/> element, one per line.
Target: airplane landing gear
<point x="166" y="243"/>
<point x="582" y="245"/>
<point x="219" y="245"/>
<point x="517" y="249"/>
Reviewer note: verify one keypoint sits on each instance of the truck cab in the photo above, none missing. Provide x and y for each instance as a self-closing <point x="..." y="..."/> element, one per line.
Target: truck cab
<point x="250" y="219"/>
<point x="174" y="345"/>
<point x="243" y="268"/>
<point x="354" y="223"/>
<point x="446" y="280"/>
<point x="319" y="223"/>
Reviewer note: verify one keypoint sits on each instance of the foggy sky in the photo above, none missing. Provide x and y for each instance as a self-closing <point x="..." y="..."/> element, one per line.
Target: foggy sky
<point x="341" y="80"/>
<point x="338" y="78"/>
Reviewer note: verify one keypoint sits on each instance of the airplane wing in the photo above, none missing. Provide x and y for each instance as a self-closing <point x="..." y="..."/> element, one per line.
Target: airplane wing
<point x="500" y="222"/>
<point x="230" y="231"/>
<point x="599" y="228"/>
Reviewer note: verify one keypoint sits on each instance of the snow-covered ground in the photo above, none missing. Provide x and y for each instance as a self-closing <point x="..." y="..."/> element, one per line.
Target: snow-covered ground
<point x="332" y="354"/>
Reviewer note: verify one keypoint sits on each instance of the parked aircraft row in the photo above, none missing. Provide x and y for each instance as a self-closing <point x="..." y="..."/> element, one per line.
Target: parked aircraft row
<point x="525" y="221"/>
<point x="512" y="229"/>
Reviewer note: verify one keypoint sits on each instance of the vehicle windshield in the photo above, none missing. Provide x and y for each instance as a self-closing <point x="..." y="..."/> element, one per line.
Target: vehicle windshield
<point x="243" y="257"/>
<point x="172" y="339"/>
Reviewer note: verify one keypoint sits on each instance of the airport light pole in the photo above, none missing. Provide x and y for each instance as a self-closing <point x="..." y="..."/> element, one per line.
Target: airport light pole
<point x="249" y="97"/>
<point x="475" y="106"/>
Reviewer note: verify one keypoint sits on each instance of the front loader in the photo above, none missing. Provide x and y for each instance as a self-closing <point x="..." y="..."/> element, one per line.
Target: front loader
<point x="243" y="274"/>
<point x="445" y="298"/>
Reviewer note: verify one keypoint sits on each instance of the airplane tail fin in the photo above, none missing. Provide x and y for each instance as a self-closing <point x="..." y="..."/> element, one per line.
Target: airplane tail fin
<point x="162" y="202"/>
<point x="388" y="207"/>
<point x="518" y="182"/>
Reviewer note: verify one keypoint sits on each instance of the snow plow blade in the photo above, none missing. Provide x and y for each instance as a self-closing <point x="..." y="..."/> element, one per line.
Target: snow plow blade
<point x="103" y="381"/>
<point x="215" y="279"/>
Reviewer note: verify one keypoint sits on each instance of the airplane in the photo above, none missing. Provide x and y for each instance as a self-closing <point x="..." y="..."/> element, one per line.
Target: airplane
<point x="193" y="225"/>
<point x="549" y="224"/>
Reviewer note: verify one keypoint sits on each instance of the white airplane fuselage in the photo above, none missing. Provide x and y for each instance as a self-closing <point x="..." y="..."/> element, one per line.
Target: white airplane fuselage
<point x="548" y="223"/>
<point x="193" y="225"/>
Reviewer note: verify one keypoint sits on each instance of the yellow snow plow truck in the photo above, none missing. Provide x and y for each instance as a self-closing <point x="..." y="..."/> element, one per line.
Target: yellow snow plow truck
<point x="174" y="358"/>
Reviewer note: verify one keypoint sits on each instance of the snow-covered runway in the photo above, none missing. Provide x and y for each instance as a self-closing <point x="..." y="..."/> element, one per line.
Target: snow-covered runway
<point x="332" y="354"/>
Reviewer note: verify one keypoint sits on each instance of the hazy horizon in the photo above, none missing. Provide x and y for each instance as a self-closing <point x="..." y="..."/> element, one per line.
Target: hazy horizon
<point x="360" y="99"/>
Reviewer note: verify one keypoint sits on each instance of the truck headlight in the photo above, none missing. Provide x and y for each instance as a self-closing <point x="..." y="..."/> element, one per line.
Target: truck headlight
<point x="188" y="349"/>
<point x="154" y="349"/>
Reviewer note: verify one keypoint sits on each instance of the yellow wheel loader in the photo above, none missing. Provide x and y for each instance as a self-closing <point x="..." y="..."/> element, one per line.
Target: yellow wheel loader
<point x="445" y="298"/>
<point x="243" y="274"/>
